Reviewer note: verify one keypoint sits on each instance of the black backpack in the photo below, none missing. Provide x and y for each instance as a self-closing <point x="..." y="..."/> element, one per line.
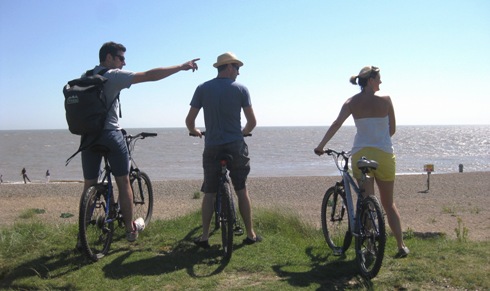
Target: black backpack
<point x="86" y="107"/>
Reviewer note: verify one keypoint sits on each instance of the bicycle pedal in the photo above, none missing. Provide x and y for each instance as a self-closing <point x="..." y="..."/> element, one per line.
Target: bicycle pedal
<point x="238" y="231"/>
<point x="338" y="252"/>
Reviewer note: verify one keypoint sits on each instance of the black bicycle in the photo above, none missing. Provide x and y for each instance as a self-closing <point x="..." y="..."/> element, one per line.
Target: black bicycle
<point x="225" y="215"/>
<point x="366" y="224"/>
<point x="99" y="208"/>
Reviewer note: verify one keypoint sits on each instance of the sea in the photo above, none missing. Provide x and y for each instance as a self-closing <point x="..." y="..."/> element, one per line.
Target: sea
<point x="274" y="152"/>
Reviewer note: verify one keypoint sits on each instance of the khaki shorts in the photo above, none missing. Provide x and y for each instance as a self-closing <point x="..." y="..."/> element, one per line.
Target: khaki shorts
<point x="386" y="164"/>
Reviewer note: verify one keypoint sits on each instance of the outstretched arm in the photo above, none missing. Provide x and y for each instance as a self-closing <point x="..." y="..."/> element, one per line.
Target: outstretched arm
<point x="161" y="73"/>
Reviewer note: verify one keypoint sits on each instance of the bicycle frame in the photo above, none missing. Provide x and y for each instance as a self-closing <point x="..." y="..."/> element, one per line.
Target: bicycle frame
<point x="349" y="184"/>
<point x="109" y="195"/>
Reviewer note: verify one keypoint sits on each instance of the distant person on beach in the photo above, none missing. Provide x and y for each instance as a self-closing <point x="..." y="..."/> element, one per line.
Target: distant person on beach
<point x="223" y="99"/>
<point x="48" y="176"/>
<point x="374" y="118"/>
<point x="24" y="175"/>
<point x="111" y="56"/>
<point x="1" y="179"/>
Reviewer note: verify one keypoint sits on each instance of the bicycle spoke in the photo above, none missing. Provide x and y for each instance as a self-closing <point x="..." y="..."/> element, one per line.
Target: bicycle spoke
<point x="95" y="232"/>
<point x="370" y="243"/>
<point x="335" y="222"/>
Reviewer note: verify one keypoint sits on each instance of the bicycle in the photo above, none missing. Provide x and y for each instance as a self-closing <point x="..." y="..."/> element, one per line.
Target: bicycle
<point x="366" y="224"/>
<point x="99" y="208"/>
<point x="224" y="207"/>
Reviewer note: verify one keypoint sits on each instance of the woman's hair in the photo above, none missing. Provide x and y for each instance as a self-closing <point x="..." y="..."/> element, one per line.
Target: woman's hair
<point x="110" y="48"/>
<point x="364" y="75"/>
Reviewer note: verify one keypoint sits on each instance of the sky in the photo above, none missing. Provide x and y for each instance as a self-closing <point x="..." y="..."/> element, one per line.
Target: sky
<point x="298" y="57"/>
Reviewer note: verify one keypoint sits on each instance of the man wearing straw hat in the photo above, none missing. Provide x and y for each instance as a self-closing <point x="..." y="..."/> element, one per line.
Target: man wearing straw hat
<point x="222" y="99"/>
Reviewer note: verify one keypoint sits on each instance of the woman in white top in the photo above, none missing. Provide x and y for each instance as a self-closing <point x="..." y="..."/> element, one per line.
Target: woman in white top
<point x="374" y="117"/>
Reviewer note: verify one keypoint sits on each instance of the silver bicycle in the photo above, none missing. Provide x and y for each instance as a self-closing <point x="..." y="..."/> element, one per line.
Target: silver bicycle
<point x="341" y="221"/>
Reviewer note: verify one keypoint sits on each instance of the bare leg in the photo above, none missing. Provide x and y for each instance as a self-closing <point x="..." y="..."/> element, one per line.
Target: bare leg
<point x="386" y="195"/>
<point x="126" y="201"/>
<point x="246" y="211"/>
<point x="207" y="214"/>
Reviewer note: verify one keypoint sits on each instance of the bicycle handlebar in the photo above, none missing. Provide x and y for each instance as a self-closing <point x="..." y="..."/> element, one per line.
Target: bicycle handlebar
<point x="142" y="135"/>
<point x="336" y="155"/>
<point x="204" y="133"/>
<point x="332" y="152"/>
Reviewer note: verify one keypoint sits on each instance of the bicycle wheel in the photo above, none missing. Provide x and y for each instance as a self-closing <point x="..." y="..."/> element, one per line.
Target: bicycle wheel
<point x="142" y="196"/>
<point x="95" y="231"/>
<point x="335" y="220"/>
<point x="226" y="221"/>
<point x="370" y="244"/>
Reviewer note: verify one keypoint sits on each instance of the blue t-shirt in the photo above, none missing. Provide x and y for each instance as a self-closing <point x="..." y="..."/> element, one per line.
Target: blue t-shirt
<point x="222" y="100"/>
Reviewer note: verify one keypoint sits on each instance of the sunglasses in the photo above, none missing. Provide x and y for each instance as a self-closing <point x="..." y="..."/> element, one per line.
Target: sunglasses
<point x="374" y="72"/>
<point x="121" y="58"/>
<point x="237" y="67"/>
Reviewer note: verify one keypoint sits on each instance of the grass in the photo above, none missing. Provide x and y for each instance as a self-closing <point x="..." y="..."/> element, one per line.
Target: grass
<point x="36" y="255"/>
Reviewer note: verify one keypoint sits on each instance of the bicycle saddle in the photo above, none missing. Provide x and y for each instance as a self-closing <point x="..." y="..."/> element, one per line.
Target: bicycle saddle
<point x="224" y="156"/>
<point x="367" y="164"/>
<point x="98" y="148"/>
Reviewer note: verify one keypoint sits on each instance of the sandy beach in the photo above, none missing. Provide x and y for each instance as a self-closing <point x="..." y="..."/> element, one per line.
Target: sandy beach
<point x="451" y="196"/>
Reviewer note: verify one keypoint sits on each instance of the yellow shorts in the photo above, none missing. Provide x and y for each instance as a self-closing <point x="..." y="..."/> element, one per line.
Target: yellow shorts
<point x="386" y="164"/>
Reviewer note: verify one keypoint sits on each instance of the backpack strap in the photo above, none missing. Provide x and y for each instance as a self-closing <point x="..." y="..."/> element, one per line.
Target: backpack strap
<point x="83" y="147"/>
<point x="102" y="72"/>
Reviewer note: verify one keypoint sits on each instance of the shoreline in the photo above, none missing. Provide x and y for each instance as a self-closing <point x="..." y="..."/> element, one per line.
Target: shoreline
<point x="452" y="197"/>
<point x="40" y="182"/>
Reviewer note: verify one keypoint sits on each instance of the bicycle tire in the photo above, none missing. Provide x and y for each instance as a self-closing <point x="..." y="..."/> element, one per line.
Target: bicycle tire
<point x="142" y="196"/>
<point x="335" y="220"/>
<point x="95" y="231"/>
<point x="371" y="241"/>
<point x="226" y="221"/>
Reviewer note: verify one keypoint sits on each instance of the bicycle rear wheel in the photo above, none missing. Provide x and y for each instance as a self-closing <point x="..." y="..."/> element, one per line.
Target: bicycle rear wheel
<point x="226" y="221"/>
<point x="335" y="220"/>
<point x="142" y="196"/>
<point x="95" y="231"/>
<point x="371" y="241"/>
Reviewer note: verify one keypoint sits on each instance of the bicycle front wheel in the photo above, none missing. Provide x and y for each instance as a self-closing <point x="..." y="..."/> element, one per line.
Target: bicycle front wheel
<point x="371" y="241"/>
<point x="94" y="226"/>
<point x="142" y="196"/>
<point x="226" y="221"/>
<point x="335" y="220"/>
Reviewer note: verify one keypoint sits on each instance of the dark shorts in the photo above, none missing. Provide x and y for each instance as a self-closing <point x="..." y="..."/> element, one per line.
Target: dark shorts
<point x="239" y="168"/>
<point x="118" y="156"/>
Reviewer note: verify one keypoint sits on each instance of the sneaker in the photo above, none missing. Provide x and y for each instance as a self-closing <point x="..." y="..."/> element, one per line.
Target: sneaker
<point x="138" y="226"/>
<point x="402" y="253"/>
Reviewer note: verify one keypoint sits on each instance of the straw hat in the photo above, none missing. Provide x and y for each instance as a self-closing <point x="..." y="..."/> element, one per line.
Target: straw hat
<point x="227" y="58"/>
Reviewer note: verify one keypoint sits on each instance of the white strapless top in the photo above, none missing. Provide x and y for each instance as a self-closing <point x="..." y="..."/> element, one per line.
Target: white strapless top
<point x="373" y="132"/>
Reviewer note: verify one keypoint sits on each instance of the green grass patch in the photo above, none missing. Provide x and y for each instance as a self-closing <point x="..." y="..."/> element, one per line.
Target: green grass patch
<point x="293" y="255"/>
<point x="31" y="213"/>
